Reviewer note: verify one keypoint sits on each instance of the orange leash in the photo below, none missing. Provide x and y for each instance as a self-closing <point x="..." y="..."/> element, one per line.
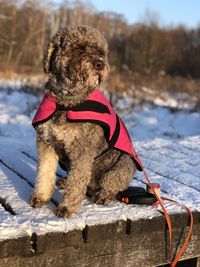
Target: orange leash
<point x="164" y="211"/>
<point x="173" y="261"/>
<point x="179" y="254"/>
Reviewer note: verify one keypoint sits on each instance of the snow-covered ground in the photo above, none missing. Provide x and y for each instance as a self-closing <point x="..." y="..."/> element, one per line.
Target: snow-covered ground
<point x="168" y="143"/>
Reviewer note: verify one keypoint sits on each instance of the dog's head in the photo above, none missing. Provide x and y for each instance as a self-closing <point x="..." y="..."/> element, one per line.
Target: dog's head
<point x="76" y="61"/>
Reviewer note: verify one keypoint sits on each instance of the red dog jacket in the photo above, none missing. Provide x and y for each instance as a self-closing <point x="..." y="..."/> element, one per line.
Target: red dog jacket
<point x="96" y="109"/>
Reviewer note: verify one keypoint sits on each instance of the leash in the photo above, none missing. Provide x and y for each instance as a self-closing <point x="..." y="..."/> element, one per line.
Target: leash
<point x="176" y="258"/>
<point x="180" y="252"/>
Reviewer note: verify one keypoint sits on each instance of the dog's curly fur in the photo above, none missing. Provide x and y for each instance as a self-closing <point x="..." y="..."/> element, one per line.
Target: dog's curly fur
<point x="76" y="62"/>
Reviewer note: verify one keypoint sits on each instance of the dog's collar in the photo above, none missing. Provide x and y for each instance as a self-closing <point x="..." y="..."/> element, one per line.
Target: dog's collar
<point x="61" y="107"/>
<point x="63" y="97"/>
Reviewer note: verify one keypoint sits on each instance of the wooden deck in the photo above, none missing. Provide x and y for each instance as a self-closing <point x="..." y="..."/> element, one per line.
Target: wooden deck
<point x="134" y="236"/>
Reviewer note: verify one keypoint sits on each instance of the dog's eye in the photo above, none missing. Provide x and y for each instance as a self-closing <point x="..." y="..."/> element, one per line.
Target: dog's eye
<point x="101" y="53"/>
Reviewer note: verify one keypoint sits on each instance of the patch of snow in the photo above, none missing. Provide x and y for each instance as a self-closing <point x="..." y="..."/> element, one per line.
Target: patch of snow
<point x="167" y="102"/>
<point x="186" y="124"/>
<point x="160" y="122"/>
<point x="15" y="111"/>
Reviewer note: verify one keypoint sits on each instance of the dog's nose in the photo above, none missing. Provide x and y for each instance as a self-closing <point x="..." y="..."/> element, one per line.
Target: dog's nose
<point x="99" y="64"/>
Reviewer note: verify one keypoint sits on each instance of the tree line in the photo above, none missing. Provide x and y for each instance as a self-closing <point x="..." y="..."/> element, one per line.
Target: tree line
<point x="143" y="49"/>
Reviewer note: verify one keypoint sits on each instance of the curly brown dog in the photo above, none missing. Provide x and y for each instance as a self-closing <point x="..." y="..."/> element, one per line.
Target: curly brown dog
<point x="76" y="62"/>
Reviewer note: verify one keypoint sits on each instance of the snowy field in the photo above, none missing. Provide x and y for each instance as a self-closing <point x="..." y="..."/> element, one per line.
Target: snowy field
<point x="168" y="143"/>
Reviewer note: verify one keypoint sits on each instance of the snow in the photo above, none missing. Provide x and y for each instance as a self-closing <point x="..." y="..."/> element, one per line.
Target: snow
<point x="168" y="143"/>
<point x="161" y="122"/>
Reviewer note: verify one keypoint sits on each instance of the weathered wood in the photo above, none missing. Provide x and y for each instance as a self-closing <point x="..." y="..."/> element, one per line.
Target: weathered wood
<point x="107" y="245"/>
<point x="20" y="246"/>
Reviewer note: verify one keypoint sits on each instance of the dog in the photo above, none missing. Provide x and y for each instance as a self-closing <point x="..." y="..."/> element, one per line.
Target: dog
<point x="77" y="63"/>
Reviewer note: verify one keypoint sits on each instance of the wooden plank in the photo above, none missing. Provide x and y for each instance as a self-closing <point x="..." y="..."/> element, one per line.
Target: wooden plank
<point x="8" y="225"/>
<point x="17" y="231"/>
<point x="14" y="240"/>
<point x="109" y="245"/>
<point x="173" y="173"/>
<point x="174" y="159"/>
<point x="16" y="246"/>
<point x="16" y="192"/>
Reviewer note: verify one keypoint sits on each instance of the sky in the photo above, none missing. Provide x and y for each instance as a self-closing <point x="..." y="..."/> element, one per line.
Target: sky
<point x="168" y="12"/>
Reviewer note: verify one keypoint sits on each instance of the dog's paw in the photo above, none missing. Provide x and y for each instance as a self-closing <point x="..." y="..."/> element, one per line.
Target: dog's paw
<point x="61" y="183"/>
<point x="64" y="212"/>
<point x="104" y="198"/>
<point x="35" y="201"/>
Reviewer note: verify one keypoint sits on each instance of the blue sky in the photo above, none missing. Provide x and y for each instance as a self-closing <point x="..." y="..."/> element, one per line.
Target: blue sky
<point x="169" y="12"/>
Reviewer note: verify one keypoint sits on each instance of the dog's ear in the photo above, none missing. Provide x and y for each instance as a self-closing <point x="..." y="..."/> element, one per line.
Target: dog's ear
<point x="52" y="47"/>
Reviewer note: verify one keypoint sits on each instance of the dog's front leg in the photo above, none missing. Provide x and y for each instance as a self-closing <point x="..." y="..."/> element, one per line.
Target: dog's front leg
<point x="45" y="179"/>
<point x="76" y="184"/>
